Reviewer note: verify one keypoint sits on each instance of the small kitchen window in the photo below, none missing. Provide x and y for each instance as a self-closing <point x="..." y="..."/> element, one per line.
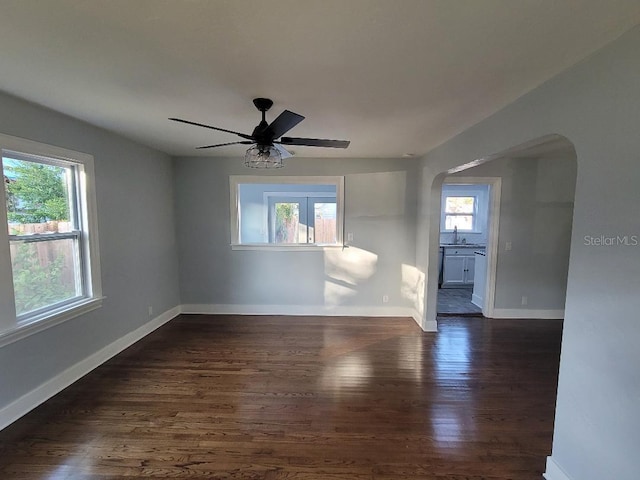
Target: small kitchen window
<point x="460" y="212"/>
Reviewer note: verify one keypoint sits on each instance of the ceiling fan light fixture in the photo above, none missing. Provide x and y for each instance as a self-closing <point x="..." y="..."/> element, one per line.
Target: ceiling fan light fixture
<point x="266" y="150"/>
<point x="263" y="156"/>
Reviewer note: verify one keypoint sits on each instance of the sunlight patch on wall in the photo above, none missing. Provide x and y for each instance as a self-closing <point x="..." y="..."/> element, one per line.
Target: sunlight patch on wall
<point x="335" y="293"/>
<point x="412" y="287"/>
<point x="346" y="269"/>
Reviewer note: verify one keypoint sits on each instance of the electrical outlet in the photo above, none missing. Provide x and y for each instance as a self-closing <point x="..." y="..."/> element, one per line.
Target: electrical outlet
<point x="349" y="237"/>
<point x="385" y="299"/>
<point x="525" y="300"/>
<point x="150" y="310"/>
<point x="507" y="246"/>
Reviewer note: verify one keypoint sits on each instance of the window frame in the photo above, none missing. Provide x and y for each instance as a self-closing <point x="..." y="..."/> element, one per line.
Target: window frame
<point x="12" y="326"/>
<point x="234" y="191"/>
<point x="445" y="214"/>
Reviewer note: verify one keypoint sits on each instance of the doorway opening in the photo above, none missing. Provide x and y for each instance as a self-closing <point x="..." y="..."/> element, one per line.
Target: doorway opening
<point x="465" y="233"/>
<point x="528" y="240"/>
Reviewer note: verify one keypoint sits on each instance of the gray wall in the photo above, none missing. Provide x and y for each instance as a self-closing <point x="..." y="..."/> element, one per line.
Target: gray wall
<point x="380" y="200"/>
<point x="595" y="105"/>
<point x="134" y="188"/>
<point x="536" y="212"/>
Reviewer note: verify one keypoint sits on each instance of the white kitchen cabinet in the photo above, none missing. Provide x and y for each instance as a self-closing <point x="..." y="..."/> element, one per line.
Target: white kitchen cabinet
<point x="459" y="266"/>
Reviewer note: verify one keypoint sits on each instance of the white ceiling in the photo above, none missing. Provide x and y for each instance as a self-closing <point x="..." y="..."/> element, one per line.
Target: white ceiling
<point x="394" y="77"/>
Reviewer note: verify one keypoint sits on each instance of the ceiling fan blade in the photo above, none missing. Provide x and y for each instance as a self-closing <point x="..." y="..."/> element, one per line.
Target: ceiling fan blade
<point x="315" y="142"/>
<point x="243" y="135"/>
<point x="284" y="153"/>
<point x="225" y="144"/>
<point x="282" y="124"/>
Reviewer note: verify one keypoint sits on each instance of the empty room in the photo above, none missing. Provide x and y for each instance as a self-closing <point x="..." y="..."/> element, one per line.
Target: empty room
<point x="239" y="232"/>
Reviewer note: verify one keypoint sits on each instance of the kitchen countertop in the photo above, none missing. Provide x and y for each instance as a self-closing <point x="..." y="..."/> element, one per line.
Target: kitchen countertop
<point x="466" y="245"/>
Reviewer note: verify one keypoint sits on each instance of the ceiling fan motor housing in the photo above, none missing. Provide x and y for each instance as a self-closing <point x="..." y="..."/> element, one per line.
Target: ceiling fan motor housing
<point x="259" y="133"/>
<point x="263" y="104"/>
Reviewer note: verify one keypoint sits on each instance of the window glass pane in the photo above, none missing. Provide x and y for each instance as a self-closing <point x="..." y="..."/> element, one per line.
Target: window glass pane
<point x="288" y="228"/>
<point x="44" y="273"/>
<point x="286" y="213"/>
<point x="37" y="197"/>
<point x="463" y="222"/>
<point x="325" y="215"/>
<point x="459" y="204"/>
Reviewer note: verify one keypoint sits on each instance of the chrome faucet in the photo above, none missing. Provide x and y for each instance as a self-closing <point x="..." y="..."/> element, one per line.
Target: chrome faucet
<point x="455" y="235"/>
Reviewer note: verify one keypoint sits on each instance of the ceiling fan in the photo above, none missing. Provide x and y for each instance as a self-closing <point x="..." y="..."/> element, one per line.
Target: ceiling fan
<point x="267" y="150"/>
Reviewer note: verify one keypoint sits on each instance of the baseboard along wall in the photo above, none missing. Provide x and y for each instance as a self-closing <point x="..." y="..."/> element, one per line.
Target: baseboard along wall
<point x="523" y="313"/>
<point x="44" y="392"/>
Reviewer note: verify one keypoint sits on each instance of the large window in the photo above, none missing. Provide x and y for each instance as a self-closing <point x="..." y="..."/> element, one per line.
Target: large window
<point x="286" y="211"/>
<point x="50" y="223"/>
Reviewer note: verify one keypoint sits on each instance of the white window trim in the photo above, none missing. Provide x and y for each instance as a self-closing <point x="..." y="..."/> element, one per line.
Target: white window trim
<point x="10" y="328"/>
<point x="443" y="213"/>
<point x="234" y="203"/>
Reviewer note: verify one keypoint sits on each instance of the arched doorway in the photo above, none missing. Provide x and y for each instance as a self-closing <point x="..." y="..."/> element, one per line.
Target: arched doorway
<point x="529" y="231"/>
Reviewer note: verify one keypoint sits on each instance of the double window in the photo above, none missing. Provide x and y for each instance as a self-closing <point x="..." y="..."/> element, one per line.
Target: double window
<point x="50" y="233"/>
<point x="300" y="218"/>
<point x="286" y="211"/>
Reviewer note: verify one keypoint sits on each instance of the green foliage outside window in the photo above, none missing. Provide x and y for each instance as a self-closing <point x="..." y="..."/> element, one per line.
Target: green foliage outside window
<point x="36" y="192"/>
<point x="287" y="217"/>
<point x="38" y="285"/>
<point x="42" y="271"/>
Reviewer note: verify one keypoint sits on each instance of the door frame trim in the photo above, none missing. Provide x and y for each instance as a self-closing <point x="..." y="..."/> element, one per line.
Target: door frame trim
<point x="493" y="223"/>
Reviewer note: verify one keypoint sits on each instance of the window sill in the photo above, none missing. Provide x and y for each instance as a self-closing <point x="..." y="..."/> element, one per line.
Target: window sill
<point x="461" y="232"/>
<point x="287" y="248"/>
<point x="48" y="320"/>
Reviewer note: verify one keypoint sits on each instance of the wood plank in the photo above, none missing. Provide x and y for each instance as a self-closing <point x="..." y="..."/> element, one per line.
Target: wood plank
<point x="304" y="398"/>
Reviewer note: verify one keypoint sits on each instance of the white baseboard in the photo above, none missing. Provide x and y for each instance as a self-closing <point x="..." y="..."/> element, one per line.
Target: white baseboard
<point x="522" y="313"/>
<point x="477" y="301"/>
<point x="430" y="326"/>
<point x="554" y="472"/>
<point x="35" y="397"/>
<point x="310" y="310"/>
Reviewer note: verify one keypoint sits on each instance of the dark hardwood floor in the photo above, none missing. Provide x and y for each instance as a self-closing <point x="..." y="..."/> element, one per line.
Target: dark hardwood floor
<point x="304" y="398"/>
